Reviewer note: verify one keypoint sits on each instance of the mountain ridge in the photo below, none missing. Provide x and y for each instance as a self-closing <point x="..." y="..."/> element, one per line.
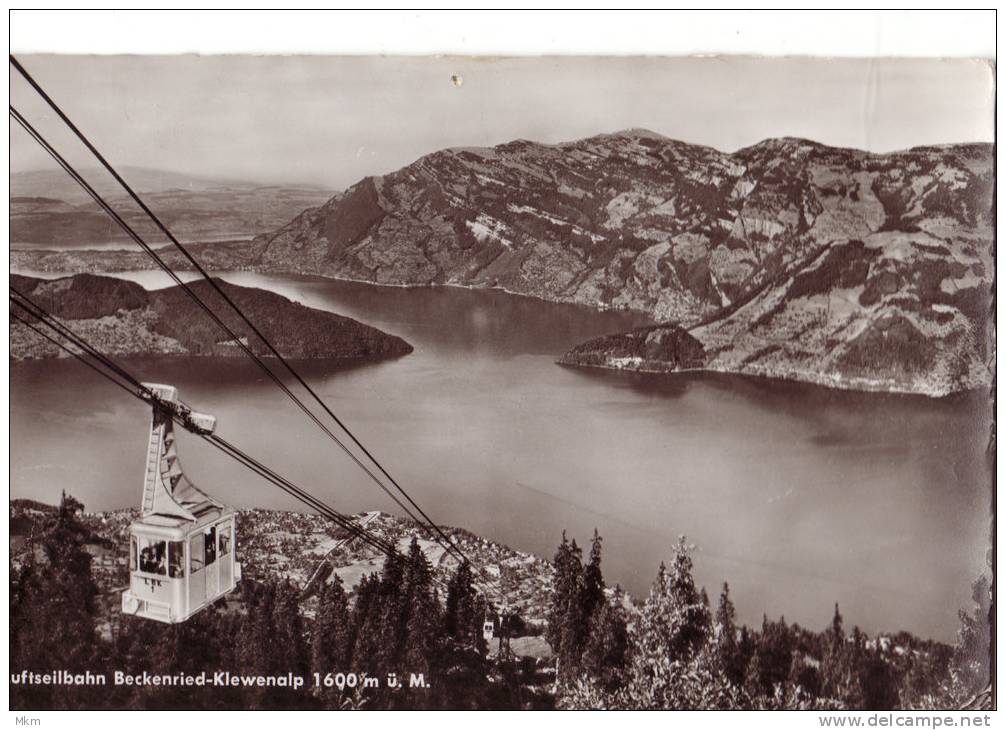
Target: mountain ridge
<point x="776" y="256"/>
<point x="743" y="249"/>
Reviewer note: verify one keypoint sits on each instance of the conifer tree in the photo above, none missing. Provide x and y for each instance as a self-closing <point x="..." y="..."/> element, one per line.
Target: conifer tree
<point x="423" y="614"/>
<point x="190" y="647"/>
<point x="592" y="589"/>
<point x="418" y="575"/>
<point x="53" y="613"/>
<point x="378" y="619"/>
<point x="690" y="614"/>
<point x="462" y="619"/>
<point x="462" y="667"/>
<point x="856" y="648"/>
<point x="670" y="666"/>
<point x="607" y="644"/>
<point x="423" y="649"/>
<point x="753" y="682"/>
<point x="256" y="638"/>
<point x="332" y="635"/>
<point x="573" y="621"/>
<point x="367" y="618"/>
<point x="393" y="617"/>
<point x="775" y="655"/>
<point x="727" y="649"/>
<point x="565" y="580"/>
<point x="291" y="647"/>
<point x="835" y="675"/>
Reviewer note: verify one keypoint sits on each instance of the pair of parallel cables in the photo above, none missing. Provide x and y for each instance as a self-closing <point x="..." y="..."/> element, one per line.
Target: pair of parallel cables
<point x="78" y="347"/>
<point x="434" y="531"/>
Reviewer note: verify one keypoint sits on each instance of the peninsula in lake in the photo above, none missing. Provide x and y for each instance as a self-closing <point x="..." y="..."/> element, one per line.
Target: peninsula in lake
<point x="787" y="259"/>
<point x="122" y="318"/>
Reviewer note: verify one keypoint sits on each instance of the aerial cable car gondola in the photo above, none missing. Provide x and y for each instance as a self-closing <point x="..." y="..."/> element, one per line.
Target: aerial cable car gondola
<point x="182" y="548"/>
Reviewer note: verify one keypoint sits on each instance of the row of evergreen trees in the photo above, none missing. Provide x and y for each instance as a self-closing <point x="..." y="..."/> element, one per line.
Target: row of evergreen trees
<point x="398" y="625"/>
<point x="674" y="652"/>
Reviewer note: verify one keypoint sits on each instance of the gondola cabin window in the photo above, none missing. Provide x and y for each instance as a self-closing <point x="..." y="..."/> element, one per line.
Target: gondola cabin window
<point x="225" y="541"/>
<point x="197" y="552"/>
<point x="176" y="559"/>
<point x="211" y="545"/>
<point x="153" y="556"/>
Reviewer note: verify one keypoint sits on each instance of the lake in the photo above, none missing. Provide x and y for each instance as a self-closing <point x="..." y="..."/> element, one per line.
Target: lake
<point x="797" y="495"/>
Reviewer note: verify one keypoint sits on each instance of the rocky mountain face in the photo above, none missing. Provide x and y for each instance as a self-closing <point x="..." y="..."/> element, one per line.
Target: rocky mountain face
<point x="122" y="318"/>
<point x="787" y="258"/>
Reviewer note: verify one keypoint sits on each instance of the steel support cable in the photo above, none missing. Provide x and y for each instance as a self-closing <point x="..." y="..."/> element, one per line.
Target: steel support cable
<point x="343" y="521"/>
<point x="451" y="547"/>
<point x="223" y="326"/>
<point x="47" y="319"/>
<point x="141" y="392"/>
<point x="144" y="394"/>
<point x="77" y="355"/>
<point x="274" y="477"/>
<point x="286" y="485"/>
<point x="143" y="206"/>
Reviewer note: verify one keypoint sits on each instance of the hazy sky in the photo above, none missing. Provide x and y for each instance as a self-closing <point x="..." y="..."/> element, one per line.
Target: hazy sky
<point x="333" y="120"/>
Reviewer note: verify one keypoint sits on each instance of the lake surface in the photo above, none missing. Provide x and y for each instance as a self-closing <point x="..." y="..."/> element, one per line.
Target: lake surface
<point x="797" y="495"/>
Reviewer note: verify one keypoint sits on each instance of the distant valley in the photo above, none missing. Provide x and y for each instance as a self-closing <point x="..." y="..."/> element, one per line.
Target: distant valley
<point x="48" y="209"/>
<point x="787" y="259"/>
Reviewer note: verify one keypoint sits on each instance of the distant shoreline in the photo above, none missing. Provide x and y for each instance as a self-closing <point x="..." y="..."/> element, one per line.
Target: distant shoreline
<point x="268" y="270"/>
<point x="835" y="382"/>
<point x="853" y="385"/>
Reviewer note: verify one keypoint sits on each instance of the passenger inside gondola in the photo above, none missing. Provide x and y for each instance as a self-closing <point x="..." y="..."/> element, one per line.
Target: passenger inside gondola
<point x="211" y="545"/>
<point x="176" y="560"/>
<point x="152" y="558"/>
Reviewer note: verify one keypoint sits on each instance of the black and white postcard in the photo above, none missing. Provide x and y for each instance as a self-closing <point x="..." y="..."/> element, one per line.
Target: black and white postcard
<point x="501" y="382"/>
